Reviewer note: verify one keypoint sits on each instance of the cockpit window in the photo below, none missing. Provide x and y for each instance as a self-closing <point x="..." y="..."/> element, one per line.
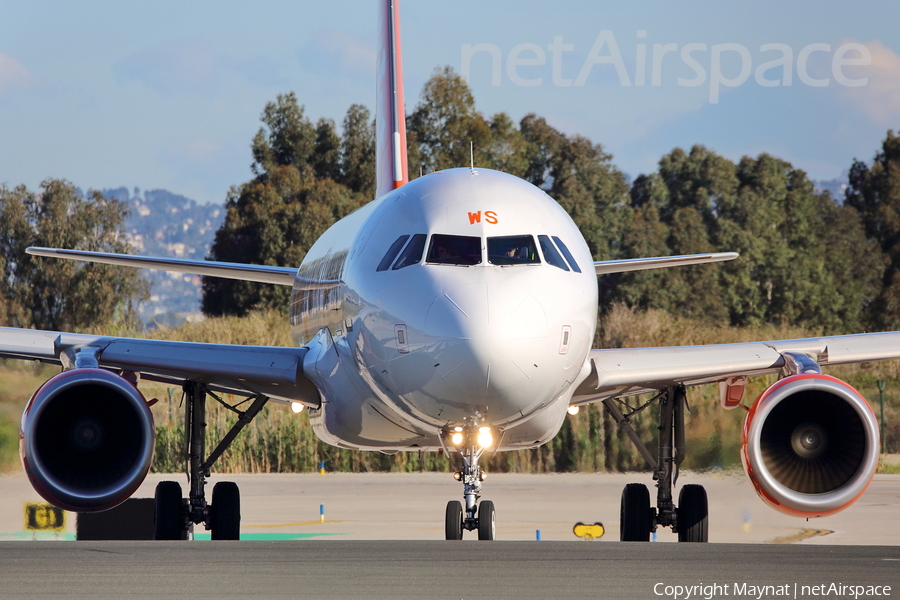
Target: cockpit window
<point x="567" y="254"/>
<point x="512" y="250"/>
<point x="412" y="254"/>
<point x="454" y="250"/>
<point x="551" y="254"/>
<point x="391" y="254"/>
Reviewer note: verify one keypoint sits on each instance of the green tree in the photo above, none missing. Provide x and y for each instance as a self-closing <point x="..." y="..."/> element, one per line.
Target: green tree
<point x="445" y="122"/>
<point x="875" y="192"/>
<point x="789" y="272"/>
<point x="64" y="295"/>
<point x="327" y="154"/>
<point x="16" y="233"/>
<point x="769" y="212"/>
<point x="544" y="145"/>
<point x="358" y="151"/>
<point x="697" y="289"/>
<point x="287" y="138"/>
<point x="751" y="224"/>
<point x="580" y="176"/>
<point x="508" y="150"/>
<point x="701" y="180"/>
<point x="697" y="185"/>
<point x="686" y="291"/>
<point x="594" y="193"/>
<point x="854" y="266"/>
<point x="276" y="217"/>
<point x="643" y="235"/>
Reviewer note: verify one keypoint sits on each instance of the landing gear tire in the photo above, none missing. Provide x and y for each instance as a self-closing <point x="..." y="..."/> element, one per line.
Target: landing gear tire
<point x="169" y="512"/>
<point x="225" y="512"/>
<point x="486" y="520"/>
<point x="635" y="520"/>
<point x="453" y="521"/>
<point x="693" y="514"/>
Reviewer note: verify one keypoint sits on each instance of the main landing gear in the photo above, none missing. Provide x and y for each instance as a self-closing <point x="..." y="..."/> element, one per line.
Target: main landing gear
<point x="689" y="519"/>
<point x="174" y="515"/>
<point x="471" y="443"/>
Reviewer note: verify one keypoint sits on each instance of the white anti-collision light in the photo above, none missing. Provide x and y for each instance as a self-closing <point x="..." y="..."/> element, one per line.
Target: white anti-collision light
<point x="296" y="407"/>
<point x="485" y="438"/>
<point x="572" y="410"/>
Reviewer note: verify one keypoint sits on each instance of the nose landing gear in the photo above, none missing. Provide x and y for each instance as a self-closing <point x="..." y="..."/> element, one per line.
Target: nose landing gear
<point x="470" y="443"/>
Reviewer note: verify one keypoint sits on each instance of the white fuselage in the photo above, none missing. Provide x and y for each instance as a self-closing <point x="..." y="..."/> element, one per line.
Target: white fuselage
<point x="476" y="314"/>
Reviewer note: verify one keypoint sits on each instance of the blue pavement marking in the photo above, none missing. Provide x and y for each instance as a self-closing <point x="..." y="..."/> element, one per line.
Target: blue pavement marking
<point x="28" y="536"/>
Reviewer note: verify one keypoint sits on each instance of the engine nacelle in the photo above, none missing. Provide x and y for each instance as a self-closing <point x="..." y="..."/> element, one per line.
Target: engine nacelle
<point x="810" y="445"/>
<point x="86" y="440"/>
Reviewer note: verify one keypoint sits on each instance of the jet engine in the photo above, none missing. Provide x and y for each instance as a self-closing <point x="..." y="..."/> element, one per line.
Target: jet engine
<point x="810" y="445"/>
<point x="86" y="440"/>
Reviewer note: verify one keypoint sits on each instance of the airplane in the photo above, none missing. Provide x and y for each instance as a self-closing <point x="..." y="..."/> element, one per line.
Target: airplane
<point x="454" y="312"/>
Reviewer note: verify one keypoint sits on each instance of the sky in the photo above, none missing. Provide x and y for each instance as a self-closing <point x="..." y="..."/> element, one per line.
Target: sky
<point x="168" y="94"/>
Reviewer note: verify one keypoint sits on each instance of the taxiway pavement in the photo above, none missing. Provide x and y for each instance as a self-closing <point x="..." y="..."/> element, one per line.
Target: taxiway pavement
<point x="410" y="506"/>
<point x="444" y="570"/>
<point x="379" y="540"/>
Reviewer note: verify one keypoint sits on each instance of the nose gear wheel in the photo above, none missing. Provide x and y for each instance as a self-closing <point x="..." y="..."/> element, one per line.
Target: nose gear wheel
<point x="473" y="516"/>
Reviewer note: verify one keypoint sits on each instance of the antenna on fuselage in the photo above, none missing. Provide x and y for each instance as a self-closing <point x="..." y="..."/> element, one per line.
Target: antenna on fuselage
<point x="472" y="158"/>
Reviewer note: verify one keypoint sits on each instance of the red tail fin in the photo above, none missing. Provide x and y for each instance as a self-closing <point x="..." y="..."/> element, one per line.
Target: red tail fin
<point x="390" y="119"/>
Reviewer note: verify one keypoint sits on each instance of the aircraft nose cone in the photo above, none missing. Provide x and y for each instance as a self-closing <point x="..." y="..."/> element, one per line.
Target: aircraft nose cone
<point x="481" y="311"/>
<point x="477" y="369"/>
<point x="491" y="338"/>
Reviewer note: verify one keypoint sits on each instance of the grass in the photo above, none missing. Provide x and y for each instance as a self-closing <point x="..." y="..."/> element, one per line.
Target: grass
<point x="18" y="381"/>
<point x="885" y="468"/>
<point x="9" y="444"/>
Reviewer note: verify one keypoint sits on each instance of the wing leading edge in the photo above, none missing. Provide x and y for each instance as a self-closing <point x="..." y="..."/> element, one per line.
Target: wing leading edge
<point x="606" y="267"/>
<point x="261" y="274"/>
<point x="225" y="270"/>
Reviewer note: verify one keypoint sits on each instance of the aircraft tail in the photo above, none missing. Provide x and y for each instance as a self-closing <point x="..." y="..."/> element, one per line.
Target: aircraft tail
<point x="390" y="118"/>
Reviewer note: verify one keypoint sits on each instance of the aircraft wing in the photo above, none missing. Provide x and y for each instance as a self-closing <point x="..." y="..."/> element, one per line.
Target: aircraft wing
<point x="628" y="371"/>
<point x="276" y="372"/>
<point x="208" y="268"/>
<point x="606" y="267"/>
<point x="258" y="273"/>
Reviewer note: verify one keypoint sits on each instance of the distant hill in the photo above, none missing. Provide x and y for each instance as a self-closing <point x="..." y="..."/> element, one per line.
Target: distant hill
<point x="166" y="224"/>
<point x="836" y="187"/>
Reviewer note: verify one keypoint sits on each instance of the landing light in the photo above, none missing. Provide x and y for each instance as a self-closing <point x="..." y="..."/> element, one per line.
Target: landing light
<point x="296" y="407"/>
<point x="572" y="410"/>
<point x="456" y="438"/>
<point x="485" y="438"/>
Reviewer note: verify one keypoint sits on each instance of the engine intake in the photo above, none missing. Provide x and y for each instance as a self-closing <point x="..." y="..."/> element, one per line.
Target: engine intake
<point x="87" y="439"/>
<point x="810" y="445"/>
